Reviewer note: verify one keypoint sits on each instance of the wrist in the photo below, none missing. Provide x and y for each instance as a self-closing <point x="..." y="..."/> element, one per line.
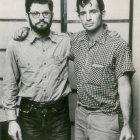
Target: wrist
<point x="10" y="121"/>
<point x="126" y="123"/>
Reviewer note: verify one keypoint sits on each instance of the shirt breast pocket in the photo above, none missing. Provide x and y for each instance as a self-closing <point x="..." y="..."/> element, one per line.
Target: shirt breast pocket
<point x="57" y="67"/>
<point x="61" y="63"/>
<point x="27" y="64"/>
<point x="59" y="60"/>
<point x="96" y="74"/>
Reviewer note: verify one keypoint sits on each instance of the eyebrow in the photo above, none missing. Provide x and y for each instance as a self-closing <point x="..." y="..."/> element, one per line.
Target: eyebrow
<point x="90" y="3"/>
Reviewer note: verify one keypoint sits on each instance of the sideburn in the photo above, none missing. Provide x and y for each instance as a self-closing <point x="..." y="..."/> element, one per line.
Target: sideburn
<point x="44" y="32"/>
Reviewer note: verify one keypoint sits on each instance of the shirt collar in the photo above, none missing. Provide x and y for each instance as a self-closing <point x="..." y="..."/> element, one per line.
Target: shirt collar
<point x="33" y="37"/>
<point x="53" y="37"/>
<point x="100" y="39"/>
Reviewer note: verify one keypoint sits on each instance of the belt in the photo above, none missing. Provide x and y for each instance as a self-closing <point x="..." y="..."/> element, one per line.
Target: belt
<point x="34" y="108"/>
<point x="52" y="104"/>
<point x="90" y="109"/>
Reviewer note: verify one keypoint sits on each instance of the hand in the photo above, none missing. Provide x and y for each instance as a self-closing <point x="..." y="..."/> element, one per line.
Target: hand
<point x="21" y="34"/>
<point x="14" y="130"/>
<point x="126" y="133"/>
<point x="114" y="33"/>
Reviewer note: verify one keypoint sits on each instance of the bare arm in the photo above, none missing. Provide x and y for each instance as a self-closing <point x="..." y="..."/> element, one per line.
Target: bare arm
<point x="124" y="89"/>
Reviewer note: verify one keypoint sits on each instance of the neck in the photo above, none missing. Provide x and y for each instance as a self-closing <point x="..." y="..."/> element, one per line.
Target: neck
<point x="93" y="35"/>
<point x="42" y="34"/>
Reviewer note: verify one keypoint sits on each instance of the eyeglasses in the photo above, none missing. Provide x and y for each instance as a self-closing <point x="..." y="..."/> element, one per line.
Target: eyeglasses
<point x="36" y="14"/>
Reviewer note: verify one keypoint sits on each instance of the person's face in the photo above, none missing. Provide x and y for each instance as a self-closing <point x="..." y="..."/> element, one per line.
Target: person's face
<point x="40" y="17"/>
<point x="90" y="16"/>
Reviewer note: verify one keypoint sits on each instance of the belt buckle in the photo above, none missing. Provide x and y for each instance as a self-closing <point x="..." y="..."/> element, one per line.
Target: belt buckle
<point x="41" y="105"/>
<point x="44" y="111"/>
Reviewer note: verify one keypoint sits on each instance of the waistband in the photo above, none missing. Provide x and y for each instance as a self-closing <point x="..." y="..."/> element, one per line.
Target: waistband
<point x="89" y="109"/>
<point x="51" y="104"/>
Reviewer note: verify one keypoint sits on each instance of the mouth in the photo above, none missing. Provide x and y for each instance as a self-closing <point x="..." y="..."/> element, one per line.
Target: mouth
<point x="89" y="24"/>
<point x="41" y="23"/>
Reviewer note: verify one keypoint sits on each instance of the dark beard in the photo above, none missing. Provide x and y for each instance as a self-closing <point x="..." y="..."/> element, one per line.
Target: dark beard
<point x="42" y="32"/>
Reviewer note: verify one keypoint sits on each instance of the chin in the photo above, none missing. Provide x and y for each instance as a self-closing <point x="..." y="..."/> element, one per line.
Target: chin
<point x="90" y="29"/>
<point x="42" y="28"/>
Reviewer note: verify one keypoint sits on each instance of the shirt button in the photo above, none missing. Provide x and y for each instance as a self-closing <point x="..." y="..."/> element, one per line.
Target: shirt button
<point x="45" y="76"/>
<point x="44" y="90"/>
<point x="43" y="50"/>
<point x="44" y="63"/>
<point x="83" y="70"/>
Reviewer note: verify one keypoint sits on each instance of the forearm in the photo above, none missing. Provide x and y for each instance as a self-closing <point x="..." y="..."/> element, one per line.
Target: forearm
<point x="10" y="105"/>
<point x="10" y="98"/>
<point x="11" y="114"/>
<point x="10" y="83"/>
<point x="125" y="100"/>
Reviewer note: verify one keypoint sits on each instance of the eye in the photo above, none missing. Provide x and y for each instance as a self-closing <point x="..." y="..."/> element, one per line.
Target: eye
<point x="46" y="13"/>
<point x="35" y="14"/>
<point x="94" y="11"/>
<point x="82" y="13"/>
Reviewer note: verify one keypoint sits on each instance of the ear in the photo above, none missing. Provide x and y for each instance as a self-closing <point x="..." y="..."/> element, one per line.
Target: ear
<point x="80" y="18"/>
<point x="78" y="15"/>
<point x="103" y="13"/>
<point x="27" y="18"/>
<point x="52" y="15"/>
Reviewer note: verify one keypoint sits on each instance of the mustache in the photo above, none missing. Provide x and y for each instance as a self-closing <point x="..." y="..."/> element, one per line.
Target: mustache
<point x="42" y="21"/>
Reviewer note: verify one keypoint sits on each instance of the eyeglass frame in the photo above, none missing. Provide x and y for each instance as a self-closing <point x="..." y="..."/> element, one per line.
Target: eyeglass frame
<point x="39" y="13"/>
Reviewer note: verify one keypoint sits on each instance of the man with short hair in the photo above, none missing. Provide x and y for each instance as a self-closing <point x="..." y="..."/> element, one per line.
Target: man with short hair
<point x="103" y="69"/>
<point x="37" y="72"/>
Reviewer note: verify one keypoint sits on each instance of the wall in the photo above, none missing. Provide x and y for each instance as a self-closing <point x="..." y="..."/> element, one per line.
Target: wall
<point x="15" y="10"/>
<point x="136" y="60"/>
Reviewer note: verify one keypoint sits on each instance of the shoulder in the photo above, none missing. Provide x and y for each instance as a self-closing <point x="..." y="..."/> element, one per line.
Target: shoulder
<point x="118" y="46"/>
<point x="13" y="44"/>
<point x="13" y="47"/>
<point x="117" y="41"/>
<point x="60" y="35"/>
<point x="76" y="36"/>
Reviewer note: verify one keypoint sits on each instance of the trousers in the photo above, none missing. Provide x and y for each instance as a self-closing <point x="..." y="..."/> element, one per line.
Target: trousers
<point x="40" y="122"/>
<point x="95" y="125"/>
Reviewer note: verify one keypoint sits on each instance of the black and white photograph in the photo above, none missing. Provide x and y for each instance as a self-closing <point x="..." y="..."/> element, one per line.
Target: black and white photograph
<point x="69" y="70"/>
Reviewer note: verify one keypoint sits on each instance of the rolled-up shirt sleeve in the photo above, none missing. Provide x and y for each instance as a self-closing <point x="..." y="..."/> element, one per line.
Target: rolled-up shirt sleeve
<point x="123" y="61"/>
<point x="10" y="83"/>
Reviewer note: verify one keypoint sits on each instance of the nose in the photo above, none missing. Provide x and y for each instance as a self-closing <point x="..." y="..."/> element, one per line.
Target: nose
<point x="88" y="16"/>
<point x="41" y="16"/>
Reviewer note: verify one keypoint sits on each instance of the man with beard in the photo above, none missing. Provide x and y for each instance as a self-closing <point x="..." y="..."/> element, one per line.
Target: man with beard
<point x="37" y="73"/>
<point x="103" y="69"/>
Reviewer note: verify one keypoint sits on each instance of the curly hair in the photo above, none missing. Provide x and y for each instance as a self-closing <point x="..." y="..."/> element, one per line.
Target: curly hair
<point x="85" y="2"/>
<point x="28" y="4"/>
